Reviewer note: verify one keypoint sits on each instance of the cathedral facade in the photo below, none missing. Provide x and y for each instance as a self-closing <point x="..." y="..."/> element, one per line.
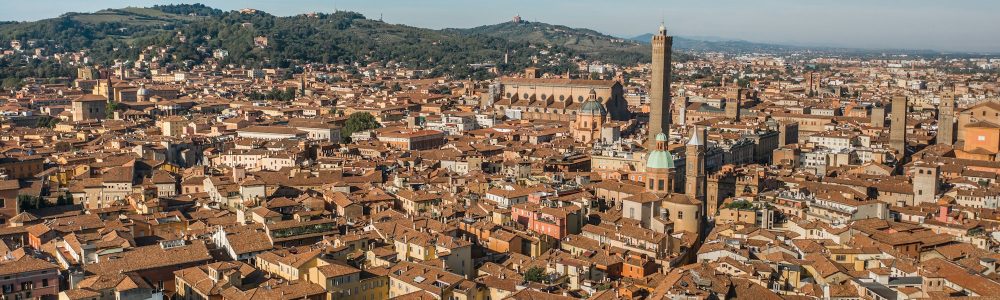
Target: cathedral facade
<point x="559" y="99"/>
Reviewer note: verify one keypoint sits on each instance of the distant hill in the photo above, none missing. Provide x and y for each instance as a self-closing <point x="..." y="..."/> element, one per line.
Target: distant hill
<point x="103" y="31"/>
<point x="155" y="16"/>
<point x="586" y="42"/>
<point x="188" y="34"/>
<point x="106" y="34"/>
<point x="710" y="44"/>
<point x="734" y="46"/>
<point x="191" y="32"/>
<point x="642" y="38"/>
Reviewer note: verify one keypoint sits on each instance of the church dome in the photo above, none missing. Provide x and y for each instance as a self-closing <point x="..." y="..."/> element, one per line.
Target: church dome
<point x="660" y="158"/>
<point x="593" y="107"/>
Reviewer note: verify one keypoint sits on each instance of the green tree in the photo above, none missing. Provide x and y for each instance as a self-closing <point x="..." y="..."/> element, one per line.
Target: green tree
<point x="535" y="274"/>
<point x="27" y="202"/>
<point x="112" y="107"/>
<point x="288" y="94"/>
<point x="11" y="83"/>
<point x="740" y="204"/>
<point x="442" y="90"/>
<point x="64" y="199"/>
<point x="359" y="121"/>
<point x="46" y="121"/>
<point x="742" y="82"/>
<point x="42" y="122"/>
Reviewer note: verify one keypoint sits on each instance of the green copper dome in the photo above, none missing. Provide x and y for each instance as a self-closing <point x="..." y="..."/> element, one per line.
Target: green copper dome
<point x="660" y="159"/>
<point x="593" y="107"/>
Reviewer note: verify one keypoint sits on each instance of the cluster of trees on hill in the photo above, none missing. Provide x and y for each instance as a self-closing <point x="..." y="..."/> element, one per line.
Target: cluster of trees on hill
<point x="189" y="9"/>
<point x="13" y="71"/>
<point x="341" y="37"/>
<point x="584" y="42"/>
<point x="287" y="94"/>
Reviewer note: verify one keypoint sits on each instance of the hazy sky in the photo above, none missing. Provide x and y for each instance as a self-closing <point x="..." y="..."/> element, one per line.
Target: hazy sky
<point x="949" y="25"/>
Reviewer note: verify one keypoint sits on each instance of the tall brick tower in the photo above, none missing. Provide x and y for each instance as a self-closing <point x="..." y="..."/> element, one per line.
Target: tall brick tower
<point x="946" y="120"/>
<point x="897" y="130"/>
<point x="734" y="95"/>
<point x="659" y="92"/>
<point x="694" y="169"/>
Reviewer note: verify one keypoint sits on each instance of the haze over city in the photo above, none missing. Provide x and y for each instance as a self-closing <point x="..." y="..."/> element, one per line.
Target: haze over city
<point x="968" y="26"/>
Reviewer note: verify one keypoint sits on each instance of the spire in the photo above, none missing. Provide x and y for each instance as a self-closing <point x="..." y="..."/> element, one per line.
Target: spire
<point x="695" y="140"/>
<point x="663" y="29"/>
